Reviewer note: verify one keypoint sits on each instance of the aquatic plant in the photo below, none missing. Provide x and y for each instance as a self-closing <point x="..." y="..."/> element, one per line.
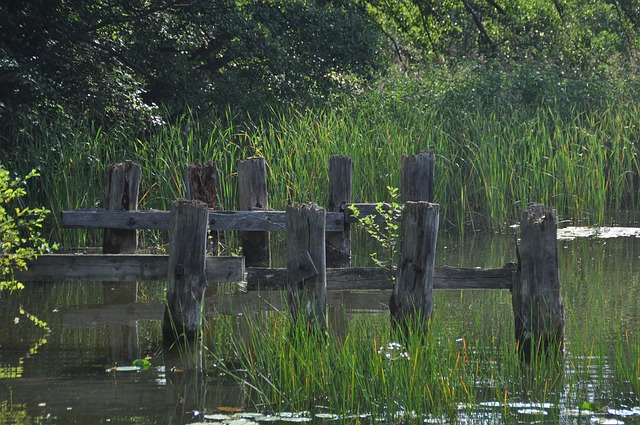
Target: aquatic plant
<point x="21" y="237"/>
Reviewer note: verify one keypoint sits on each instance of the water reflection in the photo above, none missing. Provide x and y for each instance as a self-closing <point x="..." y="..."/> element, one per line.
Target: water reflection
<point x="64" y="372"/>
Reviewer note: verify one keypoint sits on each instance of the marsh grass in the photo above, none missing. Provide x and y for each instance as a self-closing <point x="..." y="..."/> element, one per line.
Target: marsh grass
<point x="468" y="367"/>
<point x="490" y="162"/>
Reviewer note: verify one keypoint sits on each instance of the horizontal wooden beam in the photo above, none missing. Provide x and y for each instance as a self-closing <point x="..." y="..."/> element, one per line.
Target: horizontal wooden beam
<point x="136" y="268"/>
<point x="267" y="221"/>
<point x="122" y="268"/>
<point x="378" y="279"/>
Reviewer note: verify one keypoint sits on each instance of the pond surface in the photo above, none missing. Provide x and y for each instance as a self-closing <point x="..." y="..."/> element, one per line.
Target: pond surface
<point x="67" y="349"/>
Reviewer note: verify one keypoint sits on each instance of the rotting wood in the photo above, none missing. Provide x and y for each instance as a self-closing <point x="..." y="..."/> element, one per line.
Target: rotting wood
<point x="252" y="196"/>
<point x="411" y="303"/>
<point x="260" y="221"/>
<point x="123" y="183"/>
<point x="376" y="278"/>
<point x="121" y="268"/>
<point x="202" y="183"/>
<point x="306" y="231"/>
<point x="186" y="276"/>
<point x="340" y="188"/>
<point x="537" y="304"/>
<point x="144" y="267"/>
<point x="417" y="177"/>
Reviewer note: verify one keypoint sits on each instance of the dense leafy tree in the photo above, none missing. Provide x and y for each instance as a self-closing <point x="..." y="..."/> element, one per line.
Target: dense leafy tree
<point x="575" y="34"/>
<point x="123" y="58"/>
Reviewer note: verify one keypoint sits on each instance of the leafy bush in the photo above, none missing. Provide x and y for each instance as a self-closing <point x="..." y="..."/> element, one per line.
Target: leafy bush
<point x="20" y="230"/>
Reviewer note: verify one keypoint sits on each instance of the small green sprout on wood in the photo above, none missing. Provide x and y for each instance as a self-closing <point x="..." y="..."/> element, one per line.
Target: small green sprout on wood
<point x="21" y="237"/>
<point x="384" y="228"/>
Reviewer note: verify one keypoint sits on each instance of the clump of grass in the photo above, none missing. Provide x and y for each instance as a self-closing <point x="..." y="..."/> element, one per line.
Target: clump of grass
<point x="363" y="371"/>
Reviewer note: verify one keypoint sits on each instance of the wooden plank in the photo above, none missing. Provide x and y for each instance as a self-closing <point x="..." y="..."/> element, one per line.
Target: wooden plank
<point x="101" y="219"/>
<point x="375" y="278"/>
<point x="122" y="268"/>
<point x="131" y="268"/>
<point x="269" y="221"/>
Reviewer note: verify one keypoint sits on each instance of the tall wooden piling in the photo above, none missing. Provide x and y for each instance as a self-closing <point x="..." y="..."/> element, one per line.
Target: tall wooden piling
<point x="340" y="187"/>
<point x="252" y="195"/>
<point x="537" y="305"/>
<point x="412" y="299"/>
<point x="417" y="174"/>
<point x="186" y="275"/>
<point x="123" y="185"/>
<point x="307" y="283"/>
<point x="202" y="183"/>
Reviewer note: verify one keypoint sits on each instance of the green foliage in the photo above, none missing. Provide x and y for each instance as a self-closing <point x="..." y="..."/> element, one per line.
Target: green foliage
<point x="122" y="61"/>
<point x="384" y="228"/>
<point x="20" y="230"/>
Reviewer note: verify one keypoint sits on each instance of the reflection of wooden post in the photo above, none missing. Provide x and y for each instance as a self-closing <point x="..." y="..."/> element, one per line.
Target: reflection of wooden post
<point x="537" y="305"/>
<point x="252" y="195"/>
<point x="339" y="243"/>
<point x="186" y="280"/>
<point x="307" y="286"/>
<point x="122" y="195"/>
<point x="202" y="183"/>
<point x="412" y="299"/>
<point x="417" y="177"/>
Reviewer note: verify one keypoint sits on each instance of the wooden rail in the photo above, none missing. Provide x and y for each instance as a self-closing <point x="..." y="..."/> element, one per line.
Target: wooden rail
<point x="142" y="267"/>
<point x="268" y="221"/>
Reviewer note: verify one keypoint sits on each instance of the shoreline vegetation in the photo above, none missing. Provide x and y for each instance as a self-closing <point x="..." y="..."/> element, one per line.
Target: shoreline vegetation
<point x="570" y="149"/>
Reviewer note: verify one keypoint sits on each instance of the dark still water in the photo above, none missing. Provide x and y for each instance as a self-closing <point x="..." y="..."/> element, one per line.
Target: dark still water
<point x="67" y="350"/>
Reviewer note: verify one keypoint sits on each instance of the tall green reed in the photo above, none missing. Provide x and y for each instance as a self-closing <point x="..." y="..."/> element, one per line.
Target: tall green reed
<point x="489" y="162"/>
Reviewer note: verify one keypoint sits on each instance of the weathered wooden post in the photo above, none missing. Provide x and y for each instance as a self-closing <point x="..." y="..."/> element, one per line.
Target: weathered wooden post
<point x="123" y="185"/>
<point x="202" y="183"/>
<point x="537" y="305"/>
<point x="186" y="276"/>
<point x="307" y="283"/>
<point x="417" y="177"/>
<point x="412" y="298"/>
<point x="340" y="186"/>
<point x="252" y="195"/>
<point x="122" y="195"/>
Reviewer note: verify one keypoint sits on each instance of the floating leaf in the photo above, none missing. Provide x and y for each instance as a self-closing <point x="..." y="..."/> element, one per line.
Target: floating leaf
<point x="142" y="364"/>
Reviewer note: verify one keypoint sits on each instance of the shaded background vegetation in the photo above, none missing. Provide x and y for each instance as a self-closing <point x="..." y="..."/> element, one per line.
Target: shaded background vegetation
<point x="522" y="100"/>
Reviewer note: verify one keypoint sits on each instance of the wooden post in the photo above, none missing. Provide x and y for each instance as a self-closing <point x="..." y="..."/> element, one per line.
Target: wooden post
<point x="252" y="195"/>
<point x="412" y="298"/>
<point x="537" y="305"/>
<point x="186" y="275"/>
<point x="340" y="182"/>
<point x="417" y="177"/>
<point x="307" y="284"/>
<point x="122" y="195"/>
<point x="202" y="183"/>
